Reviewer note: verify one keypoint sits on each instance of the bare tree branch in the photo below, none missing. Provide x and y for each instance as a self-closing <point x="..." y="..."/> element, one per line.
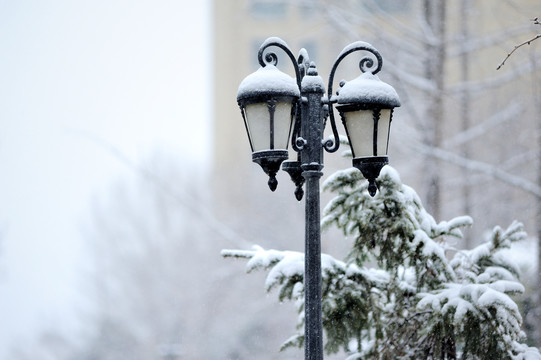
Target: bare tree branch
<point x="478" y="87"/>
<point x="509" y="113"/>
<point x="527" y="42"/>
<point x="458" y="45"/>
<point x="481" y="167"/>
<point x="189" y="200"/>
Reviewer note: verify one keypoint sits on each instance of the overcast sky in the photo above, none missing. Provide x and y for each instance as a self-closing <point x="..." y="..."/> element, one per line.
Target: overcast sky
<point x="75" y="75"/>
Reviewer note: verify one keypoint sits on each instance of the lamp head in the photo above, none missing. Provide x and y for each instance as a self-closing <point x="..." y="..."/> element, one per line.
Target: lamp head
<point x="267" y="99"/>
<point x="366" y="107"/>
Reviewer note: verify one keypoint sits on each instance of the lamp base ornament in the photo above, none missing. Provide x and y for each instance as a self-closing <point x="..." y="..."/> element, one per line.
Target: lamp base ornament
<point x="370" y="168"/>
<point x="270" y="161"/>
<point x="293" y="168"/>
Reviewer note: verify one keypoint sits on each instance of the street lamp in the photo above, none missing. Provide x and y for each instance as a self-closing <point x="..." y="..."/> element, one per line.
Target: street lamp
<point x="276" y="107"/>
<point x="267" y="99"/>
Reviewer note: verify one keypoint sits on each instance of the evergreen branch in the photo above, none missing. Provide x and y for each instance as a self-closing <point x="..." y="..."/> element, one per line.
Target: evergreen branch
<point x="238" y="254"/>
<point x="419" y="313"/>
<point x="415" y="303"/>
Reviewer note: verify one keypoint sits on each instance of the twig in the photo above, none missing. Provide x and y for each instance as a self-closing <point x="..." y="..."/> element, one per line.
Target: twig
<point x="527" y="42"/>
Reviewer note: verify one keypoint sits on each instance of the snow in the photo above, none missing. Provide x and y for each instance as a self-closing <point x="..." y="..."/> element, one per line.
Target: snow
<point x="268" y="80"/>
<point x="491" y="298"/>
<point x="358" y="45"/>
<point x="292" y="264"/>
<point x="493" y="272"/>
<point x="368" y="88"/>
<point x="329" y="263"/>
<point x="303" y="53"/>
<point x="524" y="254"/>
<point x="507" y="286"/>
<point x="454" y="224"/>
<point x="374" y="276"/>
<point x="525" y="352"/>
<point x="346" y="173"/>
<point x="274" y="40"/>
<point x="312" y="83"/>
<point x="464" y="298"/>
<point x="430" y="247"/>
<point x="391" y="173"/>
<point x="432" y="301"/>
<point x="287" y="264"/>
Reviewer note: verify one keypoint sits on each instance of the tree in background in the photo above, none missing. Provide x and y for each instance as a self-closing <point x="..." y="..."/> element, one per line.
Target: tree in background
<point x="440" y="51"/>
<point x="459" y="108"/>
<point x="536" y="304"/>
<point x="416" y="303"/>
<point x="158" y="288"/>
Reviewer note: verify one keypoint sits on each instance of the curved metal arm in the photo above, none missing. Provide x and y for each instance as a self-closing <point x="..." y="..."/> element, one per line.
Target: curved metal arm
<point x="365" y="64"/>
<point x="299" y="65"/>
<point x="331" y="145"/>
<point x="303" y="61"/>
<point x="271" y="57"/>
<point x="296" y="129"/>
<point x="297" y="143"/>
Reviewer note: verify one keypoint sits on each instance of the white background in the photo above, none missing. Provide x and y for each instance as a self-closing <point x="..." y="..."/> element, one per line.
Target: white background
<point x="78" y="79"/>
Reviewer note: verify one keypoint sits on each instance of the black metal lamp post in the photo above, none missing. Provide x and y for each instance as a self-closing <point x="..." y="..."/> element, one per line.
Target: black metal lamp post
<point x="275" y="106"/>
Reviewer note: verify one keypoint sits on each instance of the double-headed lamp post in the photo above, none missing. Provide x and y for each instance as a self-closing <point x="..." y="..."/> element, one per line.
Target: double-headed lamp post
<point x="276" y="107"/>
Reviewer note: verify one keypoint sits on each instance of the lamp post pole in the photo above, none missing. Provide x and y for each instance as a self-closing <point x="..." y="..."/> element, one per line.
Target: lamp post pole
<point x="275" y="106"/>
<point x="312" y="111"/>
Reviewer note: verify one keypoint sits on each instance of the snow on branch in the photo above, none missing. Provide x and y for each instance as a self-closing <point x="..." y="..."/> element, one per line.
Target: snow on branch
<point x="527" y="42"/>
<point x="412" y="290"/>
<point x="259" y="257"/>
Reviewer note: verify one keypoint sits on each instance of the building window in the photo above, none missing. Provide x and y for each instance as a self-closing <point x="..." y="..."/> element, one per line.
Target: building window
<point x="268" y="9"/>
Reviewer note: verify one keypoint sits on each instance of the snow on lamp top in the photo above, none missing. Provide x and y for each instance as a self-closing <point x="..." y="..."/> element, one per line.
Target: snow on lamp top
<point x="268" y="81"/>
<point x="368" y="89"/>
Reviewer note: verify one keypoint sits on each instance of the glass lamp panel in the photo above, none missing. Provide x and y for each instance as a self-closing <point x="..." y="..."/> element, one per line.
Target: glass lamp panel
<point x="258" y="124"/>
<point x="360" y="129"/>
<point x="383" y="131"/>
<point x="282" y="125"/>
<point x="258" y="119"/>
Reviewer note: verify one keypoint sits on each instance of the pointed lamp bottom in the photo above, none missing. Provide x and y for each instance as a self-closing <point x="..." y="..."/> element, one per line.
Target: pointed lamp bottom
<point x="270" y="161"/>
<point x="370" y="168"/>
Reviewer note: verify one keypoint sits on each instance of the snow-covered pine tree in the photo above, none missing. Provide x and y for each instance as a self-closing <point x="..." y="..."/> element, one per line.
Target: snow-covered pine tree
<point x="404" y="291"/>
